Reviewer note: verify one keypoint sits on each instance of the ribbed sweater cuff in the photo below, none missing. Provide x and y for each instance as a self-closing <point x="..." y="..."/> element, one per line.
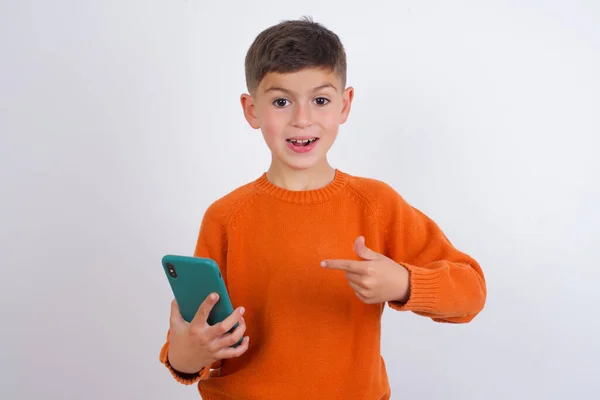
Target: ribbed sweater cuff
<point x="424" y="290"/>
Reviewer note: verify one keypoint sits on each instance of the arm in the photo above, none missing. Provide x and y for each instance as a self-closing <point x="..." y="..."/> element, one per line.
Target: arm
<point x="211" y="243"/>
<point x="446" y="284"/>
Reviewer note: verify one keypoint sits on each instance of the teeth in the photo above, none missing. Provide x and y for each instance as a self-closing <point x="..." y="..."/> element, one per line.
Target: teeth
<point x="302" y="141"/>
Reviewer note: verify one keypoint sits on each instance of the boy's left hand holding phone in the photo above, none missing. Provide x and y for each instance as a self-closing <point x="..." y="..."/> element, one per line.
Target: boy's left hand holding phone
<point x="196" y="345"/>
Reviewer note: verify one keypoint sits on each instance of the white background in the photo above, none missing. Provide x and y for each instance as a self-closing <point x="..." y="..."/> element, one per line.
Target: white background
<point x="120" y="123"/>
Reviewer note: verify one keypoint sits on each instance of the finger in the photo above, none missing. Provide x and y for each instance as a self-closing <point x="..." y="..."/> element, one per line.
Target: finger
<point x="204" y="310"/>
<point x="360" y="292"/>
<point x="232" y="338"/>
<point x="223" y="327"/>
<point x="363" y="251"/>
<point x="175" y="316"/>
<point x="360" y="296"/>
<point x="356" y="279"/>
<point x="344" y="265"/>
<point x="233" y="352"/>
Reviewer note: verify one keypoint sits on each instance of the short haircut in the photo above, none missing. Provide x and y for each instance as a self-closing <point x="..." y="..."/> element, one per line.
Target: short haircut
<point x="291" y="46"/>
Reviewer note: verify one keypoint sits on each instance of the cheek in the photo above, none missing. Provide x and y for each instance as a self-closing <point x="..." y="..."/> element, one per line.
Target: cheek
<point x="273" y="124"/>
<point x="330" y="120"/>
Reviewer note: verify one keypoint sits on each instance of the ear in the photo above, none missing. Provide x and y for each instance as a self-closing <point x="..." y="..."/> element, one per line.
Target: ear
<point x="347" y="98"/>
<point x="249" y="110"/>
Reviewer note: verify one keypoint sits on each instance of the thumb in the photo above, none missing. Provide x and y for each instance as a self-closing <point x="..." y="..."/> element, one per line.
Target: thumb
<point x="175" y="317"/>
<point x="363" y="251"/>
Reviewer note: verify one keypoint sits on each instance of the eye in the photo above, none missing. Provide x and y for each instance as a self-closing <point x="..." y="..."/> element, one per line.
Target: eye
<point x="280" y="103"/>
<point x="321" y="101"/>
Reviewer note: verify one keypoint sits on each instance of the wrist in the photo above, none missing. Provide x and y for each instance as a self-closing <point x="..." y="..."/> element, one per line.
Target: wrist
<point x="182" y="369"/>
<point x="404" y="286"/>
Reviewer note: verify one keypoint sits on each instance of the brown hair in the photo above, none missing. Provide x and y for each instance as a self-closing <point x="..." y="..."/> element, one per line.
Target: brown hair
<point x="291" y="46"/>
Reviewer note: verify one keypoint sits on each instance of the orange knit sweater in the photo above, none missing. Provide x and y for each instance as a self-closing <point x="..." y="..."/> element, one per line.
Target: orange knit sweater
<point x="310" y="336"/>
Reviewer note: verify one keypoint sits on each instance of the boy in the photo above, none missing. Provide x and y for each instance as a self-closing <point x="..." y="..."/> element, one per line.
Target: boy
<point x="311" y="253"/>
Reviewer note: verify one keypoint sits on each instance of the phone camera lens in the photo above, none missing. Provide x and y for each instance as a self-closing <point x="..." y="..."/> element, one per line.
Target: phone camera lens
<point x="171" y="269"/>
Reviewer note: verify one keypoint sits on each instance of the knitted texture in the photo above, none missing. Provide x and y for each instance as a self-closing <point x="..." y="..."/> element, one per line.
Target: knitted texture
<point x="310" y="335"/>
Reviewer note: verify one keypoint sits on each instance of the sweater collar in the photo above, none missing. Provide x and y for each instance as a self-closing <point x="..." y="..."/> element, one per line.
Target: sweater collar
<point x="304" y="196"/>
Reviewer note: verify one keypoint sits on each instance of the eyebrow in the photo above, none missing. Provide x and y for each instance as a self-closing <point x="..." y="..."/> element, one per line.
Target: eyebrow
<point x="280" y="89"/>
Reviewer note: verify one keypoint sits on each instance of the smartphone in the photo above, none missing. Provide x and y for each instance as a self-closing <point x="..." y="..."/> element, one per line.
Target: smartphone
<point x="192" y="280"/>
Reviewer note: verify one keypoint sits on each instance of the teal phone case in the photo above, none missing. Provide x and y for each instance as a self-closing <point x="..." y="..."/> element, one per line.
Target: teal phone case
<point x="192" y="280"/>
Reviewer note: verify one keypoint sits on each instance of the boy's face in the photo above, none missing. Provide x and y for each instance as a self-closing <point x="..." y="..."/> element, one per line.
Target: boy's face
<point x="299" y="115"/>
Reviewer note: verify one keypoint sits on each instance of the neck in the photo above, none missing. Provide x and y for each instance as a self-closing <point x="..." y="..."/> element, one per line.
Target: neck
<point x="298" y="180"/>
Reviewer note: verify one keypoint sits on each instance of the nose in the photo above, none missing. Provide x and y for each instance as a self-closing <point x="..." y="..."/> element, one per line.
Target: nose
<point x="302" y="116"/>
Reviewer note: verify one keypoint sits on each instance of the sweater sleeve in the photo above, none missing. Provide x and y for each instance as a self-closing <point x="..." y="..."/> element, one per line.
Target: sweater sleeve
<point x="446" y="284"/>
<point x="211" y="243"/>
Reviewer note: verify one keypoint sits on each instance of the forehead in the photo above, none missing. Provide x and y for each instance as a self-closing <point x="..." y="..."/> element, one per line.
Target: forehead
<point x="302" y="81"/>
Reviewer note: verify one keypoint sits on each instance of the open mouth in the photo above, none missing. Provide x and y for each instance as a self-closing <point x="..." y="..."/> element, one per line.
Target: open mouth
<point x="302" y="142"/>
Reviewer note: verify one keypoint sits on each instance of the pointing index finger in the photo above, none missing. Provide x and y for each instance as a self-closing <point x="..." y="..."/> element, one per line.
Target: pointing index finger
<point x="343" y="265"/>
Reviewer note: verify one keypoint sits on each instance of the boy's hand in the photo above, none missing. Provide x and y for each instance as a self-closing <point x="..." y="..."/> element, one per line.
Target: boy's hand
<point x="197" y="344"/>
<point x="378" y="279"/>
